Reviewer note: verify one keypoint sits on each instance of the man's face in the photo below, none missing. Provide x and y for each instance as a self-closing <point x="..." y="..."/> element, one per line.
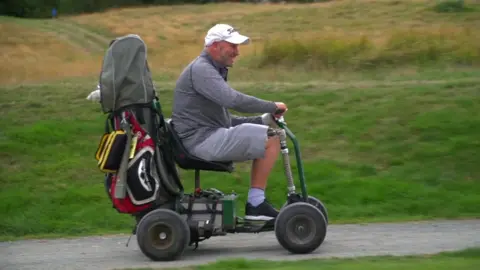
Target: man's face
<point x="226" y="53"/>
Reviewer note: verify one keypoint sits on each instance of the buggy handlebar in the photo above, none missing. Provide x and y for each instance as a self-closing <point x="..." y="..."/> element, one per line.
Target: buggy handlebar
<point x="279" y="111"/>
<point x="279" y="120"/>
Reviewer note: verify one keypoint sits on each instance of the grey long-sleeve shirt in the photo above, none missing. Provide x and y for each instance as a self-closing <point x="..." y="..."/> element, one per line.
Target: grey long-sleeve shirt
<point x="202" y="98"/>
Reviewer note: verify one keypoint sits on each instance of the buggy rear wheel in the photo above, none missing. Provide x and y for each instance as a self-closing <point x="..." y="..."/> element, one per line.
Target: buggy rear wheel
<point x="300" y="228"/>
<point x="163" y="235"/>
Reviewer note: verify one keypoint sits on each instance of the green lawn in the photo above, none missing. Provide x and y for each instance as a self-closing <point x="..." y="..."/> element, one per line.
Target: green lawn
<point x="464" y="259"/>
<point x="385" y="104"/>
<point x="374" y="150"/>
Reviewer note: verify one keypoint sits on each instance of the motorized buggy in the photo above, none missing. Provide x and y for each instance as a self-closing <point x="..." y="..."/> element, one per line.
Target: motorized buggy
<point x="139" y="153"/>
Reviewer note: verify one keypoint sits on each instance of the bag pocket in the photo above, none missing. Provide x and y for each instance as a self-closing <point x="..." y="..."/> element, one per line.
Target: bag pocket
<point x="110" y="151"/>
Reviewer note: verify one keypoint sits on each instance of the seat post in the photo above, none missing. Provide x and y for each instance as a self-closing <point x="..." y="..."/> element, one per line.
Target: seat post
<point x="197" y="179"/>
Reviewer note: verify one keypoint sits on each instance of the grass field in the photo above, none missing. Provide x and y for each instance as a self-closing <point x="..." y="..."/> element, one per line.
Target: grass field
<point x="348" y="35"/>
<point x="396" y="139"/>
<point x="464" y="259"/>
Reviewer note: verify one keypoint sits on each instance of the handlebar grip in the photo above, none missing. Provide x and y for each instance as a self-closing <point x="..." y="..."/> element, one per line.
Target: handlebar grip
<point x="279" y="111"/>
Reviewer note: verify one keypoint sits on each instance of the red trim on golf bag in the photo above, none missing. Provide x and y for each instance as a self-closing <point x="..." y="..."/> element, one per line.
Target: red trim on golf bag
<point x="144" y="141"/>
<point x="125" y="205"/>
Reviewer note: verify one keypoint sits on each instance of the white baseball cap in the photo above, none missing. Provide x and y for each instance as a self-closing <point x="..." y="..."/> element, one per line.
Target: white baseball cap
<point x="225" y="32"/>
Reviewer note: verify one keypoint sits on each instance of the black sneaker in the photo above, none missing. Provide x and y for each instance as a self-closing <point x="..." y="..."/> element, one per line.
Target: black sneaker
<point x="264" y="211"/>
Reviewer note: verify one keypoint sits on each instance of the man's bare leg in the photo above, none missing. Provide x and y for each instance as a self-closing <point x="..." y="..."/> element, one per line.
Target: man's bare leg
<point x="261" y="169"/>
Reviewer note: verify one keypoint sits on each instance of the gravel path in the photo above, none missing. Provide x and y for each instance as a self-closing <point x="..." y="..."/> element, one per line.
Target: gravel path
<point x="342" y="241"/>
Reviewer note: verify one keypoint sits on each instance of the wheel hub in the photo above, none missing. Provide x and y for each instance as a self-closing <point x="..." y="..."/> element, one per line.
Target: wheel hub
<point x="161" y="235"/>
<point x="301" y="229"/>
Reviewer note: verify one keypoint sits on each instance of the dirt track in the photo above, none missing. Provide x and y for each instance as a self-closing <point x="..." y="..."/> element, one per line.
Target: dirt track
<point x="342" y="241"/>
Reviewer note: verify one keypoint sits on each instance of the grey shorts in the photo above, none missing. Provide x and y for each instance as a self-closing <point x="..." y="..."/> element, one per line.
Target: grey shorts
<point x="239" y="143"/>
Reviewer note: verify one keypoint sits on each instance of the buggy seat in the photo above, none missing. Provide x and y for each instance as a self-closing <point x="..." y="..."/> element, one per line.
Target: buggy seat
<point x="187" y="161"/>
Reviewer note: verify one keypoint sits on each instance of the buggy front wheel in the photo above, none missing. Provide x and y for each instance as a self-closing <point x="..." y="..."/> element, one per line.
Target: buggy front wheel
<point x="300" y="228"/>
<point x="315" y="202"/>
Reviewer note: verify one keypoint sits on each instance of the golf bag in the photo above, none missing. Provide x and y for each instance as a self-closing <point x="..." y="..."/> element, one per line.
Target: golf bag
<point x="134" y="151"/>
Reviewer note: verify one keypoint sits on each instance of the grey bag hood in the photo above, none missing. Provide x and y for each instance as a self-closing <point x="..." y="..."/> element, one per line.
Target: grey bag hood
<point x="125" y="78"/>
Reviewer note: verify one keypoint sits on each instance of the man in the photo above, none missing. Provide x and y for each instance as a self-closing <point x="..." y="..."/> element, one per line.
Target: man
<point x="201" y="118"/>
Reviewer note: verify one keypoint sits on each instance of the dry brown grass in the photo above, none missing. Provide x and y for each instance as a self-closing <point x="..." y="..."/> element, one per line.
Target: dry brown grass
<point x="174" y="34"/>
<point x="30" y="55"/>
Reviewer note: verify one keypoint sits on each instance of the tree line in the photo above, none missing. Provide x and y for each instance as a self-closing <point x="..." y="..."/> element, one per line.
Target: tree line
<point x="46" y="8"/>
<point x="49" y="8"/>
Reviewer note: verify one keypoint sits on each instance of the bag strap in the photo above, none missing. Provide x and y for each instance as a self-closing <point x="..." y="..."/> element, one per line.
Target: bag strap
<point x="121" y="186"/>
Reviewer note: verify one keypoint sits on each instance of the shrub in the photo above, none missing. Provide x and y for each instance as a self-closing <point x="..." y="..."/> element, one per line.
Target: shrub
<point x="324" y="53"/>
<point x="451" y="6"/>
<point x="399" y="48"/>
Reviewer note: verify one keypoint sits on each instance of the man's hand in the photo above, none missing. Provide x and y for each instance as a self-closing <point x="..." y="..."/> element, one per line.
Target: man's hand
<point x="268" y="118"/>
<point x="281" y="109"/>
